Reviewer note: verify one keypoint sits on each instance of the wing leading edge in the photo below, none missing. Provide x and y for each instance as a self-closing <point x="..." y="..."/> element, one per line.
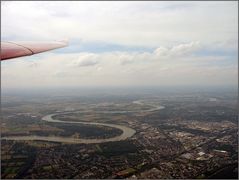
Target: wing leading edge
<point x="11" y="50"/>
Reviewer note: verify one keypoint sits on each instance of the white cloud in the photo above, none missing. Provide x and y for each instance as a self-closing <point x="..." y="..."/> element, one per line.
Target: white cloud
<point x="179" y="50"/>
<point x="164" y="66"/>
<point x="151" y="24"/>
<point x="85" y="59"/>
<point x="175" y="30"/>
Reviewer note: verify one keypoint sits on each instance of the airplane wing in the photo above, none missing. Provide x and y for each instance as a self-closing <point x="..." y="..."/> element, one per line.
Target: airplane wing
<point x="11" y="50"/>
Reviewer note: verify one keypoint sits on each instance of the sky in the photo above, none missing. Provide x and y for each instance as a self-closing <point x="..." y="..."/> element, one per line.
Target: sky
<point x="123" y="44"/>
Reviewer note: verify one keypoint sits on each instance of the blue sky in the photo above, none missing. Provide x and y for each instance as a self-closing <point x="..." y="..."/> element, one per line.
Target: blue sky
<point x="135" y="43"/>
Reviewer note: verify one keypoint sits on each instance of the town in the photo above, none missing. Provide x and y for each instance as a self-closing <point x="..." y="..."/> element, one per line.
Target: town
<point x="187" y="136"/>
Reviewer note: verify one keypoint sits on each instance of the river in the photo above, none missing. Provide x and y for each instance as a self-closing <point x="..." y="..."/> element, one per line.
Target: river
<point x="127" y="132"/>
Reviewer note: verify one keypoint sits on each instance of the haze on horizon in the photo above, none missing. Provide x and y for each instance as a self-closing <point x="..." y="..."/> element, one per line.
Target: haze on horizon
<point x="123" y="44"/>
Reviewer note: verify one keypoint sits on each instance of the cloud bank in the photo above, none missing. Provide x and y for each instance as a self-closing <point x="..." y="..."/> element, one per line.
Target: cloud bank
<point x="123" y="43"/>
